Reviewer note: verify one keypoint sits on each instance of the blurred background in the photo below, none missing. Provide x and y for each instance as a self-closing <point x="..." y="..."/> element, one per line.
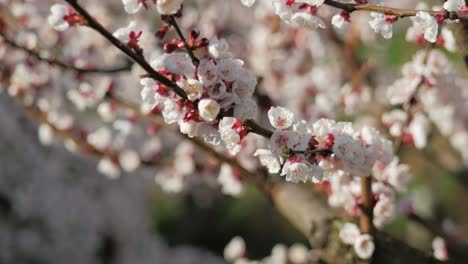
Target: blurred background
<point x="56" y="208"/>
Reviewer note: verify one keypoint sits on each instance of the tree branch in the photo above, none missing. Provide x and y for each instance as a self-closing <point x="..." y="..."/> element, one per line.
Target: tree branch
<point x="350" y="7"/>
<point x="62" y="64"/>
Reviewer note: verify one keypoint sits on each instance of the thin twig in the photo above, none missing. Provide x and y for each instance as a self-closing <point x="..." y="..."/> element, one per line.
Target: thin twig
<point x="398" y="12"/>
<point x="189" y="49"/>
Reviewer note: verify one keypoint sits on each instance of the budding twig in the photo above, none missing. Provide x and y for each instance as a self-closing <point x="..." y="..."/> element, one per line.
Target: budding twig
<point x="398" y="12"/>
<point x="189" y="49"/>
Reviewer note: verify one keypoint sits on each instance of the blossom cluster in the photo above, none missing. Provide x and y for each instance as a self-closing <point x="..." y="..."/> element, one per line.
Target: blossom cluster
<point x="430" y="82"/>
<point x="362" y="244"/>
<point x="236" y="252"/>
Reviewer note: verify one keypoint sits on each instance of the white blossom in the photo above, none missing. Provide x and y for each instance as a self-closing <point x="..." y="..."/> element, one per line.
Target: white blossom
<point x="168" y="7"/>
<point x="108" y="168"/>
<point x="208" y="109"/>
<point x="129" y="160"/>
<point x="100" y="139"/>
<point x="56" y="17"/>
<point x="235" y="249"/>
<point x="349" y="232"/>
<point x="269" y="160"/>
<point x="248" y="3"/>
<point x="440" y="249"/>
<point x="230" y="184"/>
<point x="307" y="20"/>
<point x="454" y="5"/>
<point x="123" y="33"/>
<point x="381" y="24"/>
<point x="192" y="87"/>
<point x="280" y="117"/>
<point x="301" y="171"/>
<point x="132" y="6"/>
<point x="427" y="24"/>
<point x="298" y="253"/>
<point x="364" y="246"/>
<point x="357" y="159"/>
<point x="45" y="134"/>
<point x="219" y="48"/>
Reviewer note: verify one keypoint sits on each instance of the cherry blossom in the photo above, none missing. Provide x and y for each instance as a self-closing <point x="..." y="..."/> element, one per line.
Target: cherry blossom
<point x="382" y="23"/>
<point x="455" y="6"/>
<point x="280" y="117"/>
<point x="364" y="246"/>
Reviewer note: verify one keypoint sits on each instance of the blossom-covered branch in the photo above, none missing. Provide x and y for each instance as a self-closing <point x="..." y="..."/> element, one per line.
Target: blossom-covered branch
<point x="65" y="65"/>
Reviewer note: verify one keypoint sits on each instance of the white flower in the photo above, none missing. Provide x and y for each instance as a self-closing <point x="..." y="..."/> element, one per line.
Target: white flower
<point x="381" y="24"/>
<point x="106" y="111"/>
<point x="230" y="184"/>
<point x="338" y="21"/>
<point x="123" y="33"/>
<point x="298" y="253"/>
<point x="301" y="171"/>
<point x="419" y="129"/>
<point x="209" y="134"/>
<point x="349" y="232"/>
<point x="269" y="160"/>
<point x="357" y="159"/>
<point x="100" y="139"/>
<point x="178" y="63"/>
<point x="364" y="246"/>
<point x="189" y="128"/>
<point x="440" y="249"/>
<point x="246" y="110"/>
<point x="132" y="6"/>
<point x="129" y="160"/>
<point x="449" y="40"/>
<point x="45" y="134"/>
<point x="248" y="3"/>
<point x="219" y="48"/>
<point x="235" y="249"/>
<point x="244" y="87"/>
<point x="148" y="93"/>
<point x="192" y="87"/>
<point x="108" y="168"/>
<point x="280" y="117"/>
<point x="229" y="136"/>
<point x="454" y="5"/>
<point x="218" y="91"/>
<point x="171" y="112"/>
<point x="207" y="72"/>
<point x="229" y="69"/>
<point x="56" y="17"/>
<point x="231" y="140"/>
<point x="384" y="211"/>
<point x="307" y="20"/>
<point x="168" y="7"/>
<point x="427" y="24"/>
<point x="208" y="109"/>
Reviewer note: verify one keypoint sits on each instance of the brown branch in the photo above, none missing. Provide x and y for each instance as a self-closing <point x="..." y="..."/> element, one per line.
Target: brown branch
<point x="367" y="212"/>
<point x="62" y="64"/>
<point x="398" y="12"/>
